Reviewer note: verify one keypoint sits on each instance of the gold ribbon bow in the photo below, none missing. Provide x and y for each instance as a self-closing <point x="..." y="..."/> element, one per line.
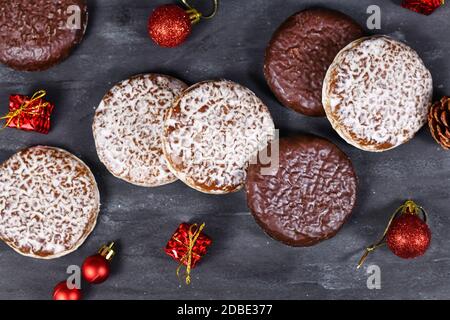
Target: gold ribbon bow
<point x="188" y="256"/>
<point x="23" y="109"/>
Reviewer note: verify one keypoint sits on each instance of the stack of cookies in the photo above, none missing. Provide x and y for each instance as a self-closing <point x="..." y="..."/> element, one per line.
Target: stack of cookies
<point x="375" y="91"/>
<point x="152" y="129"/>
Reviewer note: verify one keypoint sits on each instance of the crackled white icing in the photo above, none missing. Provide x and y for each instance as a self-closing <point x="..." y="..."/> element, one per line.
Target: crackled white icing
<point x="377" y="93"/>
<point x="49" y="202"/>
<point x="212" y="132"/>
<point x="127" y="128"/>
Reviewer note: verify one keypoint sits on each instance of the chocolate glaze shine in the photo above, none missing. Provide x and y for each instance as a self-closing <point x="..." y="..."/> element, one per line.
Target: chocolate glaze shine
<point x="311" y="195"/>
<point x="300" y="52"/>
<point x="34" y="35"/>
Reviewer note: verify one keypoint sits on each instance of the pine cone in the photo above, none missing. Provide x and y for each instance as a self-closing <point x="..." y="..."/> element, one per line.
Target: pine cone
<point x="439" y="122"/>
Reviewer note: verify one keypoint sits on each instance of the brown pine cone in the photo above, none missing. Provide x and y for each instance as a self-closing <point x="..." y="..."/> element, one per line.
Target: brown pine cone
<point x="439" y="122"/>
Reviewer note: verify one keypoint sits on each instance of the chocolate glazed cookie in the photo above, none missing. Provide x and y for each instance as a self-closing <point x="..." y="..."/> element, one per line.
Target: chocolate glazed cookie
<point x="311" y="195"/>
<point x="36" y="35"/>
<point x="300" y="52"/>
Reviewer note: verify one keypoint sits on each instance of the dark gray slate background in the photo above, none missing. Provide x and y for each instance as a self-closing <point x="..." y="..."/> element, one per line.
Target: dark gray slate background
<point x="243" y="262"/>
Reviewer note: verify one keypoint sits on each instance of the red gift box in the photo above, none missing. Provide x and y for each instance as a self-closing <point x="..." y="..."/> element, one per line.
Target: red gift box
<point x="188" y="243"/>
<point x="425" y="7"/>
<point x="30" y="114"/>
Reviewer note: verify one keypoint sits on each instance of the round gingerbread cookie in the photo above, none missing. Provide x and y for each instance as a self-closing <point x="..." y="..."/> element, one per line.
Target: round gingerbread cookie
<point x="36" y="35"/>
<point x="300" y="52"/>
<point x="377" y="93"/>
<point x="212" y="132"/>
<point x="309" y="197"/>
<point x="127" y="128"/>
<point x="49" y="202"/>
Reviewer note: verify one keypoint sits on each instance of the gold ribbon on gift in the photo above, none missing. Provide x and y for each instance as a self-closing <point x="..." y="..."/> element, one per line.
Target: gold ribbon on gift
<point x="23" y="109"/>
<point x="193" y="236"/>
<point x="409" y="207"/>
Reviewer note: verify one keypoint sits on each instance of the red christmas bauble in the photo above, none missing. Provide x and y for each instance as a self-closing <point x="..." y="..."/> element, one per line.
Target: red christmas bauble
<point x="408" y="236"/>
<point x="95" y="269"/>
<point x="62" y="292"/>
<point x="169" y="25"/>
<point x="425" y="7"/>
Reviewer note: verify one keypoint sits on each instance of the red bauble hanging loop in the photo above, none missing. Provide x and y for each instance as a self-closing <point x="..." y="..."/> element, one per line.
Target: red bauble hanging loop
<point x="62" y="292"/>
<point x="95" y="269"/>
<point x="170" y="25"/>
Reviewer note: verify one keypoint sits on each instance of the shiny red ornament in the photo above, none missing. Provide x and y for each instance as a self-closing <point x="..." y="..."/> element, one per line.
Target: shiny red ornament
<point x="182" y="245"/>
<point x="169" y="25"/>
<point x="62" y="292"/>
<point x="29" y="114"/>
<point x="96" y="269"/>
<point x="425" y="7"/>
<point x="408" y="236"/>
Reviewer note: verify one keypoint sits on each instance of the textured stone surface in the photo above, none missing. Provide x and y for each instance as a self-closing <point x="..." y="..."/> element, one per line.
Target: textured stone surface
<point x="243" y="262"/>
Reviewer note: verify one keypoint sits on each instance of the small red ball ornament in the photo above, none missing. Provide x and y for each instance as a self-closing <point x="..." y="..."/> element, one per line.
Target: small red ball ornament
<point x="425" y="7"/>
<point x="170" y="25"/>
<point x="62" y="292"/>
<point x="406" y="235"/>
<point x="95" y="269"/>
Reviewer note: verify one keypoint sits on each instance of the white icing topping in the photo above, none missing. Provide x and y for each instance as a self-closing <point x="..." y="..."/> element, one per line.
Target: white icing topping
<point x="127" y="128"/>
<point x="377" y="93"/>
<point x="212" y="132"/>
<point x="49" y="202"/>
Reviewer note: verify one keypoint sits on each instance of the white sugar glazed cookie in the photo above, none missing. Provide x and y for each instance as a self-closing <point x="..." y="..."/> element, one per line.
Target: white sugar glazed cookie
<point x="127" y="128"/>
<point x="211" y="133"/>
<point x="377" y="93"/>
<point x="49" y="202"/>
